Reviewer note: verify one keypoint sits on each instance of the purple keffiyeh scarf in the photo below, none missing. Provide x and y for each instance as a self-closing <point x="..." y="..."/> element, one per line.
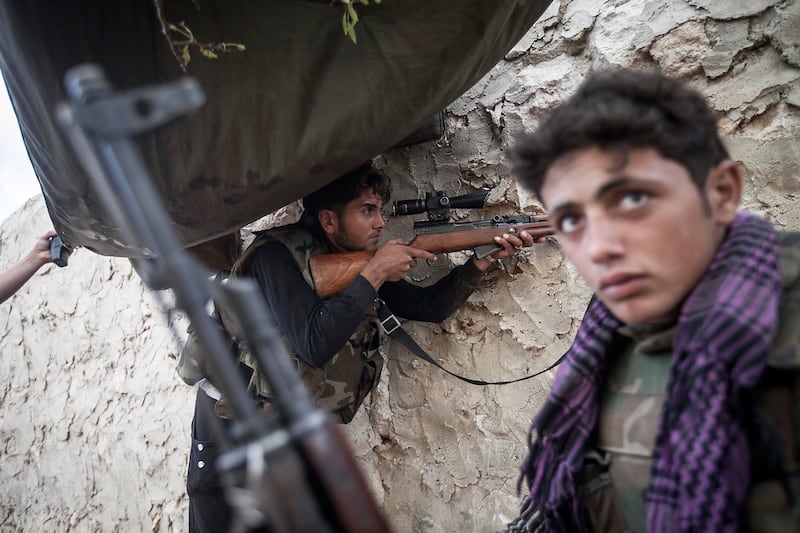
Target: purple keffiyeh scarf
<point x="701" y="460"/>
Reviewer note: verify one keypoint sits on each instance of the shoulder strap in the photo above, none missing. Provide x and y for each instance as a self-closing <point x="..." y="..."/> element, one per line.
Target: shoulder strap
<point x="391" y="327"/>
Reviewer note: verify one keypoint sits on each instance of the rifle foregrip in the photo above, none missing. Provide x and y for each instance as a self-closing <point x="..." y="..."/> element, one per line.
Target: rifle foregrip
<point x="332" y="273"/>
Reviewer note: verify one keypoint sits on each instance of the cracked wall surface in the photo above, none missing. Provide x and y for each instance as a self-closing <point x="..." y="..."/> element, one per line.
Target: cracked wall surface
<point x="94" y="422"/>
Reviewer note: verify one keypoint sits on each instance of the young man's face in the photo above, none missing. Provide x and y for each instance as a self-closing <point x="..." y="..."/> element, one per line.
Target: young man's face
<point x="641" y="234"/>
<point x="359" y="225"/>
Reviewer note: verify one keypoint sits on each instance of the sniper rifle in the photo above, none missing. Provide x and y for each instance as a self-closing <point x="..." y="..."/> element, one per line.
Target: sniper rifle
<point x="332" y="273"/>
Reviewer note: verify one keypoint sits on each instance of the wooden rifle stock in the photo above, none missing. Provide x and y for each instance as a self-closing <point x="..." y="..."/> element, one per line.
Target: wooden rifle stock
<point x="332" y="273"/>
<point x="336" y="472"/>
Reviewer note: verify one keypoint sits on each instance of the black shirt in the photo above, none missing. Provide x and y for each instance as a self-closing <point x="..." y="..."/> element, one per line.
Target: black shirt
<point x="318" y="329"/>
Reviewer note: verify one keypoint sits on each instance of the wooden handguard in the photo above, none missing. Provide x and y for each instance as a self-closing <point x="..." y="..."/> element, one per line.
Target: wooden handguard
<point x="332" y="273"/>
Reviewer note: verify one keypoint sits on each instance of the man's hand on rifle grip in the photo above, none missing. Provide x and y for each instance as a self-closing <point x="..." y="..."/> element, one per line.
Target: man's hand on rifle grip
<point x="392" y="261"/>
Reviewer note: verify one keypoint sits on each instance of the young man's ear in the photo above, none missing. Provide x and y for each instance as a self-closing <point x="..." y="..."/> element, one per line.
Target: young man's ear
<point x="724" y="191"/>
<point x="329" y="221"/>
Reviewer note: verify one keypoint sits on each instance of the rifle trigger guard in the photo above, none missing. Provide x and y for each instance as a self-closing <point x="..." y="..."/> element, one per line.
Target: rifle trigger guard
<point x="433" y="263"/>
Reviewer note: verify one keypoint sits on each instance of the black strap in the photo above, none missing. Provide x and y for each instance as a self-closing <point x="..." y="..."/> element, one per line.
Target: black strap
<point x="391" y="326"/>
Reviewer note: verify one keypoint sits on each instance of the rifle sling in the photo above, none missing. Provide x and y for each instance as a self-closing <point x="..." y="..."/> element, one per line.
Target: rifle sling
<point x="390" y="325"/>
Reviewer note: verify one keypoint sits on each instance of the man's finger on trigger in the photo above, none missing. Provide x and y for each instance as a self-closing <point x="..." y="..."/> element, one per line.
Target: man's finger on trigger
<point x="419" y="252"/>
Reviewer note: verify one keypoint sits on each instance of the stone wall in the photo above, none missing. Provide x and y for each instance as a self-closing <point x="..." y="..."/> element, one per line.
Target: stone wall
<point x="93" y="419"/>
<point x="94" y="423"/>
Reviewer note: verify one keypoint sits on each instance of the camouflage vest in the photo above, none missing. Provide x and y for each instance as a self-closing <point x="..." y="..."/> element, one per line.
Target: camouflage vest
<point x="617" y="473"/>
<point x="343" y="383"/>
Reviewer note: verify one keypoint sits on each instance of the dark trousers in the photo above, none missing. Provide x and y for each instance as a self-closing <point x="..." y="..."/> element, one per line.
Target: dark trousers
<point x="209" y="511"/>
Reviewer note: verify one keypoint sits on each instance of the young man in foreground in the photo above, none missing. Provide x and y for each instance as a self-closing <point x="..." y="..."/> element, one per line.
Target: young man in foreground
<point x="676" y="406"/>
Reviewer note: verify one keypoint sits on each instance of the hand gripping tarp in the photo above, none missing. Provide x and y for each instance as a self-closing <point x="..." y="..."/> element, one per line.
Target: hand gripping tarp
<point x="301" y="105"/>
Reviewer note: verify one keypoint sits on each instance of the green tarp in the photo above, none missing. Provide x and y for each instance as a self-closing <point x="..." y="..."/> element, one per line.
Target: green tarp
<point x="299" y="106"/>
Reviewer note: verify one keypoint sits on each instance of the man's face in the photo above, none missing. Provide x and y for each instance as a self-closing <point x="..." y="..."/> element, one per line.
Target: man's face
<point x="640" y="234"/>
<point x="359" y="225"/>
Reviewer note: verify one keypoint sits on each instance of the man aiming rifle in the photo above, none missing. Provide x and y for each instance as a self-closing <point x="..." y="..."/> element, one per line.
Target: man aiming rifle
<point x="331" y="273"/>
<point x="334" y="341"/>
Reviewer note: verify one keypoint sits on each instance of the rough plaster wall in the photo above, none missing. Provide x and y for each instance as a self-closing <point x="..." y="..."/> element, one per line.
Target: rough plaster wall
<point x="94" y="422"/>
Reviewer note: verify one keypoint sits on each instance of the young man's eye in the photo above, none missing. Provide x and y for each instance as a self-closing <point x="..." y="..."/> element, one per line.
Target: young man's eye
<point x="633" y="199"/>
<point x="567" y="223"/>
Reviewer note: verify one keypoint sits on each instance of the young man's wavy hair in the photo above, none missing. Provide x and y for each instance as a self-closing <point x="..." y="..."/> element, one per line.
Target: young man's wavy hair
<point x="348" y="187"/>
<point x="623" y="110"/>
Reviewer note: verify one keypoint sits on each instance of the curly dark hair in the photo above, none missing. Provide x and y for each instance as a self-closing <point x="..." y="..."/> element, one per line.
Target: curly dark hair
<point x="623" y="109"/>
<point x="347" y="187"/>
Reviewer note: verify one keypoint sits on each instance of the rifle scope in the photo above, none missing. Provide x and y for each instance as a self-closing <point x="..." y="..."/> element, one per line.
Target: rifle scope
<point x="435" y="201"/>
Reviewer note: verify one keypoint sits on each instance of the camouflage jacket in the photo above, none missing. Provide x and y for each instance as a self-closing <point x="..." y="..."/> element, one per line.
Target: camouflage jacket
<point x="341" y="384"/>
